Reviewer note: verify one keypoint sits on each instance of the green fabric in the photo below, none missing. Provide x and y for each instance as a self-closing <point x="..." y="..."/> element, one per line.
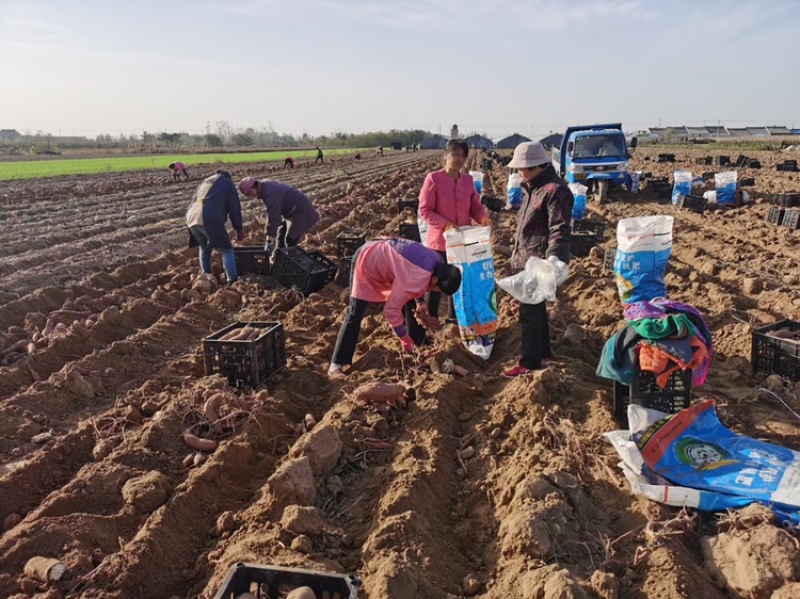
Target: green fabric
<point x="672" y="325"/>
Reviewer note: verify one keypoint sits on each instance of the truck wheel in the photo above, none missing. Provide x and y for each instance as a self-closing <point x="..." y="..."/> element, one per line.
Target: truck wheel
<point x="601" y="191"/>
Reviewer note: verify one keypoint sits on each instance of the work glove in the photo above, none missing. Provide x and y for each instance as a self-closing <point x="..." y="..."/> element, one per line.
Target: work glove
<point x="407" y="344"/>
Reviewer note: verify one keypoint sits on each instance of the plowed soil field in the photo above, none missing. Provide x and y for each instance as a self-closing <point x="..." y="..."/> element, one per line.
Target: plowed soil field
<point x="482" y="486"/>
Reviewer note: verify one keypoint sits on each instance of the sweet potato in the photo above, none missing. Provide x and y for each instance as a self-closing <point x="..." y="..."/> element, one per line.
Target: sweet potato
<point x="44" y="569"/>
<point x="211" y="407"/>
<point x="378" y="392"/>
<point x="199" y="444"/>
<point x="14" y="347"/>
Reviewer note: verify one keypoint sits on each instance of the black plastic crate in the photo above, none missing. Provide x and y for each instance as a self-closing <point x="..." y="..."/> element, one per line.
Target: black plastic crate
<point x="252" y="260"/>
<point x="775" y="214"/>
<point x="582" y="242"/>
<point x="723" y="160"/>
<point x="791" y="219"/>
<point x="273" y="582"/>
<point x="776" y="355"/>
<point x="410" y="231"/>
<point x="709" y="175"/>
<point x="609" y="258"/>
<point x="412" y="205"/>
<point x="589" y="226"/>
<point x="787" y="200"/>
<point x="666" y="158"/>
<point x="492" y="203"/>
<point x="309" y="272"/>
<point x="694" y="203"/>
<point x="753" y="163"/>
<point x="246" y="363"/>
<point x="347" y="242"/>
<point x="747" y="182"/>
<point x="705" y="160"/>
<point x="644" y="392"/>
<point x="343" y="272"/>
<point x="788" y="166"/>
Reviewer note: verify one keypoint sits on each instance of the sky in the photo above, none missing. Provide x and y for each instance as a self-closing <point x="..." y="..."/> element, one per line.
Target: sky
<point x="89" y="67"/>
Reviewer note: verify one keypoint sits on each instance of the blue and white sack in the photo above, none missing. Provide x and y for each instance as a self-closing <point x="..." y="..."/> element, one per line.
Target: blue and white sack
<point x="514" y="191"/>
<point x="644" y="244"/>
<point x="681" y="184"/>
<point x="726" y="188"/>
<point x="470" y="249"/>
<point x="579" y="205"/>
<point x="423" y="226"/>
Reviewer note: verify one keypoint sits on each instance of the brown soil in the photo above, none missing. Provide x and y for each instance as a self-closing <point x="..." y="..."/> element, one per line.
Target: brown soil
<point x="484" y="486"/>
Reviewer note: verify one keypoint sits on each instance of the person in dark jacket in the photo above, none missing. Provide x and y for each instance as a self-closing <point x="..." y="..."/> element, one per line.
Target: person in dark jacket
<point x="213" y="203"/>
<point x="289" y="162"/>
<point x="319" y="157"/>
<point x="543" y="230"/>
<point x="290" y="214"/>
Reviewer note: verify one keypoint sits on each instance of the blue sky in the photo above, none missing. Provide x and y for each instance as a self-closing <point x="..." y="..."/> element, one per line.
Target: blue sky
<point x="318" y="66"/>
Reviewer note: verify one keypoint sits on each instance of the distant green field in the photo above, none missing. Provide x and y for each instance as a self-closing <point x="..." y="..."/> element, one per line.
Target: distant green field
<point x="88" y="166"/>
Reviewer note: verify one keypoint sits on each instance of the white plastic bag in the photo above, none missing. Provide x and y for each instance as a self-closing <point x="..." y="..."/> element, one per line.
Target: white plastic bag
<point x="538" y="282"/>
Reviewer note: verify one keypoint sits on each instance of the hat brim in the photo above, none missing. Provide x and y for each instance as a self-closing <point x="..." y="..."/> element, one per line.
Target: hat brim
<point x="525" y="164"/>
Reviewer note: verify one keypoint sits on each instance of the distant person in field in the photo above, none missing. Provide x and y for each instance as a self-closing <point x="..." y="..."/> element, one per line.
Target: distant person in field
<point x="380" y="151"/>
<point x="319" y="157"/>
<point x="178" y="169"/>
<point x="214" y="202"/>
<point x="289" y="162"/>
<point x="290" y="214"/>
<point x="397" y="273"/>
<point x="448" y="199"/>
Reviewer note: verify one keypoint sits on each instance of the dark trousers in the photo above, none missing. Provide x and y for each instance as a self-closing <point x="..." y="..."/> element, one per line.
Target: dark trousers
<point x="535" y="335"/>
<point x="435" y="297"/>
<point x="351" y="325"/>
<point x="283" y="240"/>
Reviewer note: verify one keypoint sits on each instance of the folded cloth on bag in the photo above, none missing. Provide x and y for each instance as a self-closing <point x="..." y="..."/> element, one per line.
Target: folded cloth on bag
<point x="668" y="326"/>
<point x="656" y="360"/>
<point x="618" y="360"/>
<point x="658" y="307"/>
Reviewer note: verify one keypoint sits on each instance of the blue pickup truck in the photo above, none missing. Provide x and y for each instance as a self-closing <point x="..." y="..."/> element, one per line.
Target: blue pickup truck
<point x="594" y="155"/>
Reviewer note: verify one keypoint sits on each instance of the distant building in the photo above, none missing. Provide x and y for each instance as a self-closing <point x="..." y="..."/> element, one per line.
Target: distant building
<point x="479" y="142"/>
<point x="512" y="141"/>
<point x="454" y="132"/>
<point x="9" y="134"/>
<point x="435" y="142"/>
<point x="551" y="140"/>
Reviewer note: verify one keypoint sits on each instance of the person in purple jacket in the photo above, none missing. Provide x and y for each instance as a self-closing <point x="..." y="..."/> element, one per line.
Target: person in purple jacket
<point x="290" y="214"/>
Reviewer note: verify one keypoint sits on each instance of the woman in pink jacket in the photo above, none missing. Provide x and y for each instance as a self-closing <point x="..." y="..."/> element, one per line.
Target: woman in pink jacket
<point x="397" y="273"/>
<point x="448" y="199"/>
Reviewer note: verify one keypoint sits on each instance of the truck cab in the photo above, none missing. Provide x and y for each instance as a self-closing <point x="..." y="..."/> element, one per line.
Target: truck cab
<point x="594" y="155"/>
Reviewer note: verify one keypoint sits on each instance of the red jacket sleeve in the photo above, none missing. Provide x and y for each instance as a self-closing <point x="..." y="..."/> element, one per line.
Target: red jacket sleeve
<point x="427" y="204"/>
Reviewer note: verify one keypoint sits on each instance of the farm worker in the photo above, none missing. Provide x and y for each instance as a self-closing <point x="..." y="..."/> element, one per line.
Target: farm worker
<point x="213" y="203"/>
<point x="380" y="151"/>
<point x="397" y="273"/>
<point x="448" y="199"/>
<point x="290" y="214"/>
<point x="319" y="155"/>
<point x="177" y="169"/>
<point x="288" y="163"/>
<point x="543" y="230"/>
